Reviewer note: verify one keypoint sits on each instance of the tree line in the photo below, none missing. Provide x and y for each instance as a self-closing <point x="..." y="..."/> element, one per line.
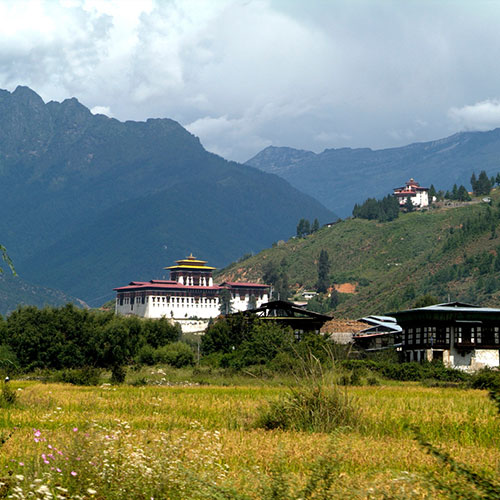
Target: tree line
<point x="68" y="337"/>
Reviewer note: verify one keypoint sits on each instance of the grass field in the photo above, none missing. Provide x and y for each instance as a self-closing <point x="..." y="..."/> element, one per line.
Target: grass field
<point x="195" y="441"/>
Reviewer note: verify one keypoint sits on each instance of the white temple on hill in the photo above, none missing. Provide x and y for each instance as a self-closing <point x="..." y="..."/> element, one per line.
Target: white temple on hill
<point x="189" y="296"/>
<point x="418" y="195"/>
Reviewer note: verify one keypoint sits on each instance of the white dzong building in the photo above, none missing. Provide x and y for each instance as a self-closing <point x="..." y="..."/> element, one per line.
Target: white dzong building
<point x="188" y="297"/>
<point x="418" y="195"/>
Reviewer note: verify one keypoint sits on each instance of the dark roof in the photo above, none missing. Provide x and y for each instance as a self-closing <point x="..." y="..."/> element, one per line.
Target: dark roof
<point x="449" y="311"/>
<point x="286" y="309"/>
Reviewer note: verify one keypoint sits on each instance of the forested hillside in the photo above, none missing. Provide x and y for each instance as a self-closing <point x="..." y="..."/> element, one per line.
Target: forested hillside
<point x="449" y="252"/>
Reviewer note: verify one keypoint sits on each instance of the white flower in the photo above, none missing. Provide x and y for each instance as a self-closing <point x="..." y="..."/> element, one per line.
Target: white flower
<point x="19" y="477"/>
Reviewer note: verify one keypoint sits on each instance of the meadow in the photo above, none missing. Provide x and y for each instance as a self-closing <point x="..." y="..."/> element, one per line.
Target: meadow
<point x="170" y="438"/>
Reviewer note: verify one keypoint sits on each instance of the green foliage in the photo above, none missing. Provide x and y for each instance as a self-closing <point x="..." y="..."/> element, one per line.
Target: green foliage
<point x="323" y="272"/>
<point x="486" y="379"/>
<point x="482" y="185"/>
<point x="239" y="341"/>
<point x="458" y="194"/>
<point x="8" y="395"/>
<point x="118" y="374"/>
<point x="409" y="371"/>
<point x="425" y="300"/>
<point x="87" y="375"/>
<point x="314" y="408"/>
<point x="383" y="210"/>
<point x="277" y="277"/>
<point x="69" y="338"/>
<point x="176" y="354"/>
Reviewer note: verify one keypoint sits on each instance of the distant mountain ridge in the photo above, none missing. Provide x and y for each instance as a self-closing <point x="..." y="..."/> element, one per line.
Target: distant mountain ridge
<point x="89" y="203"/>
<point x="339" y="178"/>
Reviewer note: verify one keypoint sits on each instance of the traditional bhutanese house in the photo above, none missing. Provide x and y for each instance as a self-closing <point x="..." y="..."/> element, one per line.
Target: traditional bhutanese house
<point x="188" y="297"/>
<point x="288" y="314"/>
<point x="461" y="335"/>
<point x="418" y="195"/>
<point x="382" y="333"/>
<point x="342" y="331"/>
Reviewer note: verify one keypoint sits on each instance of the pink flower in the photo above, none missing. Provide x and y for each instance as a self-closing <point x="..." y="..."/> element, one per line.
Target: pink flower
<point x="58" y="469"/>
<point x="73" y="473"/>
<point x="37" y="433"/>
<point x="21" y="464"/>
<point x="75" y="429"/>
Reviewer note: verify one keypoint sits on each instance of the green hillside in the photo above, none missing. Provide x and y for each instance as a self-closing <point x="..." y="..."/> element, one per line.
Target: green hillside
<point x="446" y="251"/>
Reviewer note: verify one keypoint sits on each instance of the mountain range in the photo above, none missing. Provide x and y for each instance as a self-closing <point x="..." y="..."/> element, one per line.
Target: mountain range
<point x="339" y="178"/>
<point x="89" y="203"/>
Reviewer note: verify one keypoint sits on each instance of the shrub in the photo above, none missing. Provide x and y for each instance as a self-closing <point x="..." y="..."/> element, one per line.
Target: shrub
<point x="319" y="408"/>
<point x="146" y="355"/>
<point x="176" y="354"/>
<point x="118" y="374"/>
<point x="87" y="375"/>
<point x="486" y="379"/>
<point x="8" y="396"/>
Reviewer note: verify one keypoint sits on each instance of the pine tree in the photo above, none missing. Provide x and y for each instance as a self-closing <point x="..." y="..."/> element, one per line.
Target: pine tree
<point x="483" y="184"/>
<point x="323" y="271"/>
<point x="409" y="205"/>
<point x="473" y="182"/>
<point x="315" y="226"/>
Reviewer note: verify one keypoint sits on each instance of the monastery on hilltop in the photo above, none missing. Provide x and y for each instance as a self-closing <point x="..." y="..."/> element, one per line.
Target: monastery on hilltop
<point x="418" y="195"/>
<point x="189" y="296"/>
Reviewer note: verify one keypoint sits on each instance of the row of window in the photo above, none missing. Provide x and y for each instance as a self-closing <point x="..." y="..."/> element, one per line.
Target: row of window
<point x="430" y="335"/>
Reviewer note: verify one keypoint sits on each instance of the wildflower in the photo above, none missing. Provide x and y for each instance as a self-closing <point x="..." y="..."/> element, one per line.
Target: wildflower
<point x="19" y="477"/>
<point x="21" y="464"/>
<point x="75" y="429"/>
<point x="73" y="473"/>
<point x="90" y="491"/>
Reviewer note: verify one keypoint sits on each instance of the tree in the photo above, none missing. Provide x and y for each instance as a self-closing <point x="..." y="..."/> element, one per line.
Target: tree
<point x="483" y="184"/>
<point x="432" y="193"/>
<point x="334" y="299"/>
<point x="409" y="205"/>
<point x="315" y="226"/>
<point x="426" y="300"/>
<point x="323" y="271"/>
<point x="462" y="194"/>
<point x="497" y="179"/>
<point x="473" y="182"/>
<point x="303" y="228"/>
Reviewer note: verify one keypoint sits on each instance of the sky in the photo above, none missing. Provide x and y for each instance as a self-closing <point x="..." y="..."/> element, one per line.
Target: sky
<point x="246" y="74"/>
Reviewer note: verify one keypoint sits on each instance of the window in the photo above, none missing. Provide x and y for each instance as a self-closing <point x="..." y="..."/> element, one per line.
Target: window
<point x="479" y="335"/>
<point x="458" y="334"/>
<point x="497" y="332"/>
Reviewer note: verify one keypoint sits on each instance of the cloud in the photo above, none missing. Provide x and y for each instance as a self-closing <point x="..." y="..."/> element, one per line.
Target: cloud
<point x="101" y="110"/>
<point x="484" y="115"/>
<point x="243" y="74"/>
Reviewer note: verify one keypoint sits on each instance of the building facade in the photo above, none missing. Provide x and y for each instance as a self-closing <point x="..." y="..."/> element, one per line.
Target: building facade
<point x="412" y="190"/>
<point x="460" y="335"/>
<point x="188" y="297"/>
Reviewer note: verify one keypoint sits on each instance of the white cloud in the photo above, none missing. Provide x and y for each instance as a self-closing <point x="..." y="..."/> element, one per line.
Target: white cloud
<point x="484" y="115"/>
<point x="101" y="110"/>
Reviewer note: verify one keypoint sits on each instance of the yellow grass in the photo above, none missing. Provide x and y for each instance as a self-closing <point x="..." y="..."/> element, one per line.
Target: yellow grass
<point x="209" y="432"/>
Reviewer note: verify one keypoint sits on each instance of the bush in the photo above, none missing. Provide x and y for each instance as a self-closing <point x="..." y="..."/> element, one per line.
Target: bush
<point x="118" y="374"/>
<point x="146" y="355"/>
<point x="317" y="409"/>
<point x="486" y="379"/>
<point x="176" y="354"/>
<point x="87" y="375"/>
<point x="8" y="396"/>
